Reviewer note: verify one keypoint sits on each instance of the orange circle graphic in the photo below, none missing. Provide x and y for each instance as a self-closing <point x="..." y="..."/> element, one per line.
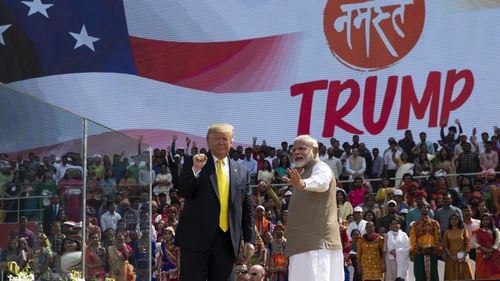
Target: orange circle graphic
<point x="373" y="34"/>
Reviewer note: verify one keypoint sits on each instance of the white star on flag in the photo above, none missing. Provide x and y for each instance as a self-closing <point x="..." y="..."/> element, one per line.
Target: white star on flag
<point x="36" y="6"/>
<point x="2" y="30"/>
<point x="84" y="39"/>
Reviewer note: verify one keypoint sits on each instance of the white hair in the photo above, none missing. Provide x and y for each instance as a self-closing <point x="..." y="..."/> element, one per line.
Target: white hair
<point x="308" y="140"/>
<point x="221" y="128"/>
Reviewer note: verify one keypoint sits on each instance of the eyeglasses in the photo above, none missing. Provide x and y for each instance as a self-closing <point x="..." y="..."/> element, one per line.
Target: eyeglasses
<point x="240" y="272"/>
<point x="254" y="273"/>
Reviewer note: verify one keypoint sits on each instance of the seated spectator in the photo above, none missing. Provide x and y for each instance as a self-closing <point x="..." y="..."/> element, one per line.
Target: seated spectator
<point x="24" y="232"/>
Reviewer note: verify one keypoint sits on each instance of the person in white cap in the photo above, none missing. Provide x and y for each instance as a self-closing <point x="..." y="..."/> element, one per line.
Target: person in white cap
<point x="398" y="196"/>
<point x="359" y="223"/>
<point x="392" y="214"/>
<point x="313" y="235"/>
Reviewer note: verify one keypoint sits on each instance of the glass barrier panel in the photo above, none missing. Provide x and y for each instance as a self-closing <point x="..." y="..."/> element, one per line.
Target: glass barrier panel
<point x="118" y="199"/>
<point x="41" y="186"/>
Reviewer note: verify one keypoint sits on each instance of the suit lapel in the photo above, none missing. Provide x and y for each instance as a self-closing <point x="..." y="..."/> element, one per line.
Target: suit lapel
<point x="233" y="174"/>
<point x="212" y="174"/>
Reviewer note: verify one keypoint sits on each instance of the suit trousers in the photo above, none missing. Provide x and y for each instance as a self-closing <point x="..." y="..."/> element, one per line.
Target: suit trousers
<point x="214" y="264"/>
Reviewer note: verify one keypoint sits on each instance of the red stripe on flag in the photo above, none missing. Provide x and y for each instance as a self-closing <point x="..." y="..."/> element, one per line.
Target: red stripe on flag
<point x="221" y="67"/>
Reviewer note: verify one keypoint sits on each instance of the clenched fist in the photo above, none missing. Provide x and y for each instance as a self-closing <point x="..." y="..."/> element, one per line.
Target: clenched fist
<point x="199" y="160"/>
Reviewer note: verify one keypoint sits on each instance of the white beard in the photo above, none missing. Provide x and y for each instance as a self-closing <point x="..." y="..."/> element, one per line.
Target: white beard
<point x="307" y="158"/>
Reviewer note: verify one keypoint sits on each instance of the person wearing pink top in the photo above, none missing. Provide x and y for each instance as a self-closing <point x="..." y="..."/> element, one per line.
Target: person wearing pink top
<point x="356" y="195"/>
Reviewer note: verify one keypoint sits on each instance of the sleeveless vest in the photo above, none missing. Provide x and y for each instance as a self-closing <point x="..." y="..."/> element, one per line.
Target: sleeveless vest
<point x="312" y="218"/>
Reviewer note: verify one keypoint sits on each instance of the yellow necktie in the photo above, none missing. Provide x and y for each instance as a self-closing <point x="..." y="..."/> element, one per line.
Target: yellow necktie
<point x="223" y="197"/>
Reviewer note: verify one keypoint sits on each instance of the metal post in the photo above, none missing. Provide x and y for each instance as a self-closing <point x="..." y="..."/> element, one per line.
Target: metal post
<point x="150" y="184"/>
<point x="84" y="193"/>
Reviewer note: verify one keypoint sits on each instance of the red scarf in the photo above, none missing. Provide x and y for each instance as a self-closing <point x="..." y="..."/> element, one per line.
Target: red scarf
<point x="372" y="237"/>
<point x="485" y="239"/>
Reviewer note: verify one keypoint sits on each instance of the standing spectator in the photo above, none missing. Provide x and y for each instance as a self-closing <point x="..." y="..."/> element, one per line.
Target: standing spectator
<point x="334" y="163"/>
<point x="445" y="164"/>
<point x="24" y="232"/>
<point x="489" y="158"/>
<point x="377" y="165"/>
<point x="337" y="151"/>
<point x="459" y="148"/>
<point x="470" y="224"/>
<point x="163" y="182"/>
<point x="272" y="158"/>
<point x="456" y="245"/>
<point x="359" y="223"/>
<point x="278" y="263"/>
<point x="355" y="165"/>
<point x="251" y="165"/>
<point x="365" y="153"/>
<point x="425" y="246"/>
<point x="392" y="153"/>
<point x="449" y="140"/>
<point x="415" y="214"/>
<point x="357" y="192"/>
<point x="261" y="223"/>
<point x="13" y="189"/>
<point x="344" y="206"/>
<point x="403" y="167"/>
<point x="467" y="161"/>
<point x="423" y="167"/>
<point x="283" y="166"/>
<point x="266" y="173"/>
<point x="397" y="247"/>
<point x="386" y="221"/>
<point x="95" y="255"/>
<point x="428" y="144"/>
<point x="481" y="146"/>
<point x="384" y="192"/>
<point x="354" y="236"/>
<point x="407" y="144"/>
<point x="444" y="213"/>
<point x="50" y="212"/>
<point x="118" y="256"/>
<point x="370" y="254"/>
<point x="486" y="241"/>
<point x="111" y="217"/>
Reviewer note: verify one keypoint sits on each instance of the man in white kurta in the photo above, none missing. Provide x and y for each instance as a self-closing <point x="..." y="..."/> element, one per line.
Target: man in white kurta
<point x="313" y="235"/>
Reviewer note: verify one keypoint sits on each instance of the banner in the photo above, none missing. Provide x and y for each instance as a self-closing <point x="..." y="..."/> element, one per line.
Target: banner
<point x="274" y="69"/>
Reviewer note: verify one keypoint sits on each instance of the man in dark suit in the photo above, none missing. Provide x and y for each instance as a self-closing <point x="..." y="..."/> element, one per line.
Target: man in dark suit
<point x="218" y="211"/>
<point x="50" y="213"/>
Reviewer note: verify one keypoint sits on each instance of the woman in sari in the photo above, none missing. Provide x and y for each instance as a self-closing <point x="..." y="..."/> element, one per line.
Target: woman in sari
<point x="456" y="245"/>
<point x="168" y="257"/>
<point x="40" y="257"/>
<point x="397" y="248"/>
<point x="370" y="254"/>
<point x="486" y="240"/>
<point x="94" y="258"/>
<point x="403" y="167"/>
<point x="118" y="256"/>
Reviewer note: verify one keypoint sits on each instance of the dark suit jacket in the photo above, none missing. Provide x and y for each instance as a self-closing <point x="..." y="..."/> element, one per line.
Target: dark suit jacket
<point x="49" y="217"/>
<point x="199" y="219"/>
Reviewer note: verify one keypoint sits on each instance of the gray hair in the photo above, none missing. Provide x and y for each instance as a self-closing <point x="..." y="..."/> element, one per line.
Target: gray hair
<point x="308" y="140"/>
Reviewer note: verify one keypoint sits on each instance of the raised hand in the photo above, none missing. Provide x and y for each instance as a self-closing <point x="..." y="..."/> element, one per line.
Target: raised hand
<point x="199" y="161"/>
<point x="294" y="178"/>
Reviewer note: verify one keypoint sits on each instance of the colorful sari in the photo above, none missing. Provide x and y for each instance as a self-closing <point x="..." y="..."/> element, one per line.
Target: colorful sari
<point x="278" y="263"/>
<point x="118" y="261"/>
<point x="94" y="263"/>
<point x="486" y="267"/>
<point x="168" y="263"/>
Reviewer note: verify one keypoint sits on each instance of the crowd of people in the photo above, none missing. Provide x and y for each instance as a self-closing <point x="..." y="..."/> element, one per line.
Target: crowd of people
<point x="428" y="213"/>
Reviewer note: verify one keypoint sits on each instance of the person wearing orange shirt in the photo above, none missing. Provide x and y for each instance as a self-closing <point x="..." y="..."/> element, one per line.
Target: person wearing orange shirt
<point x="425" y="246"/>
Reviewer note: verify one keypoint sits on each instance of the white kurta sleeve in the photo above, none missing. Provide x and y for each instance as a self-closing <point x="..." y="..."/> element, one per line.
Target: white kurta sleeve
<point x="320" y="178"/>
